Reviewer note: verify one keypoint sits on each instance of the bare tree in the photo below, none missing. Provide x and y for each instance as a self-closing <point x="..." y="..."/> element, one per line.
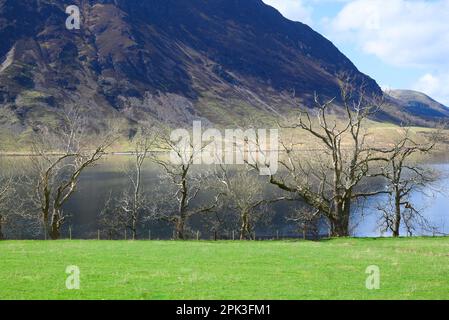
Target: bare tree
<point x="133" y="202"/>
<point x="179" y="200"/>
<point x="404" y="177"/>
<point x="308" y="221"/>
<point x="15" y="218"/>
<point x="328" y="180"/>
<point x="58" y="159"/>
<point x="7" y="190"/>
<point x="244" y="194"/>
<point x="112" y="220"/>
<point x="129" y="208"/>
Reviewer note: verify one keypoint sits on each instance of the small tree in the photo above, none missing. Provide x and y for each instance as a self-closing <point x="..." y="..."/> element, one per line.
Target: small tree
<point x="58" y="159"/>
<point x="243" y="194"/>
<point x="307" y="221"/>
<point x="112" y="220"/>
<point x="133" y="203"/>
<point x="404" y="177"/>
<point x="15" y="218"/>
<point x="179" y="200"/>
<point x="7" y="190"/>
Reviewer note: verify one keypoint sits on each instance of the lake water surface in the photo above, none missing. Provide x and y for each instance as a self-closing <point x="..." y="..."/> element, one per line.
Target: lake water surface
<point x="106" y="178"/>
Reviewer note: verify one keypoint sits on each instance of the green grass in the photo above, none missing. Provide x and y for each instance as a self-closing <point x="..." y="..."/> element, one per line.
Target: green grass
<point x="410" y="269"/>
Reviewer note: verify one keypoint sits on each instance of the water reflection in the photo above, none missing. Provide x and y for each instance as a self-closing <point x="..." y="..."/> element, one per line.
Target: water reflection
<point x="106" y="178"/>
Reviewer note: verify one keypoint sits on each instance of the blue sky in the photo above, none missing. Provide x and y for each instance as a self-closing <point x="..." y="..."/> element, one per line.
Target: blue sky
<point x="403" y="44"/>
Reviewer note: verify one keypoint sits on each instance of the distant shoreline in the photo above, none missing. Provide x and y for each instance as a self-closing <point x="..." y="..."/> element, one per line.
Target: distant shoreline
<point x="28" y="154"/>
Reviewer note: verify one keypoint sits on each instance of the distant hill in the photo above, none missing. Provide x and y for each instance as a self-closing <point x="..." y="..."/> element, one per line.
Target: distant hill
<point x="167" y="60"/>
<point x="418" y="107"/>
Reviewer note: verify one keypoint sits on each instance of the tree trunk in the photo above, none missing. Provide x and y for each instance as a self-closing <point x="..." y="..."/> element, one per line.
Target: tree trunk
<point x="179" y="229"/>
<point x="340" y="219"/>
<point x="135" y="213"/>
<point x="339" y="229"/>
<point x="45" y="221"/>
<point x="183" y="204"/>
<point x="55" y="232"/>
<point x="134" y="227"/>
<point x="397" y="217"/>
<point x="245" y="232"/>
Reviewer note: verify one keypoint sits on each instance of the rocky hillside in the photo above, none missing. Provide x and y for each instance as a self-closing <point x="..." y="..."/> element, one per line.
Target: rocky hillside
<point x="169" y="60"/>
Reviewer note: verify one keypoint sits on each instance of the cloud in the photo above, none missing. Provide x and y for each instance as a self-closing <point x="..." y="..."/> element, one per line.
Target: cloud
<point x="411" y="34"/>
<point x="435" y="85"/>
<point x="295" y="10"/>
<point x="400" y="32"/>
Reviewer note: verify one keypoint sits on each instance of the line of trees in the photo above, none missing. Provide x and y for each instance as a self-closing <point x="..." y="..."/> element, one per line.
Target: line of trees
<point x="331" y="184"/>
<point x="342" y="172"/>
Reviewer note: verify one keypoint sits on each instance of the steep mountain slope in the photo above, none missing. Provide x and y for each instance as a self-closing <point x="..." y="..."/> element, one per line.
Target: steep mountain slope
<point x="169" y="60"/>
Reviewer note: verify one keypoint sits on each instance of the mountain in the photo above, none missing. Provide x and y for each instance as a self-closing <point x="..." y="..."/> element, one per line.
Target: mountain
<point x="418" y="108"/>
<point x="166" y="60"/>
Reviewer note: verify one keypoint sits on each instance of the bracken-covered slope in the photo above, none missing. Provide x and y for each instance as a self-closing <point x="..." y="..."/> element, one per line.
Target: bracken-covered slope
<point x="169" y="60"/>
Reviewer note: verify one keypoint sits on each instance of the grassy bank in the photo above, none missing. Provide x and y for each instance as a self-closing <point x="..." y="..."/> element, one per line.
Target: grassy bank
<point x="410" y="269"/>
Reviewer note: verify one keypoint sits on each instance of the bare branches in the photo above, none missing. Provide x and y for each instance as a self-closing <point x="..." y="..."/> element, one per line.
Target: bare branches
<point x="328" y="180"/>
<point x="404" y="176"/>
<point x="133" y="203"/>
<point x="7" y="190"/>
<point x="59" y="157"/>
<point x="179" y="202"/>
<point x="308" y="222"/>
<point x="244" y="195"/>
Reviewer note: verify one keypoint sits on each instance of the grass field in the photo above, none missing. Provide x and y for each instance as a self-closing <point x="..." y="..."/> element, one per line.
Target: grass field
<point x="335" y="269"/>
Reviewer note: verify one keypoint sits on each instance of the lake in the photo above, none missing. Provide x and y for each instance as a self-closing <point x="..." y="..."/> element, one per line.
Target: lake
<point x="434" y="205"/>
<point x="107" y="177"/>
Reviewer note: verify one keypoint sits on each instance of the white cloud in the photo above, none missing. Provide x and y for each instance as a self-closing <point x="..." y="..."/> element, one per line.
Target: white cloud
<point x="295" y="10"/>
<point x="434" y="85"/>
<point x="428" y="82"/>
<point x="400" y="32"/>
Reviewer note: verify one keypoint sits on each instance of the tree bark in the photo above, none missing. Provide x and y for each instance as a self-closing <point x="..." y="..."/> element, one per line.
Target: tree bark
<point x="245" y="232"/>
<point x="179" y="229"/>
<point x="397" y="218"/>
<point x="340" y="218"/>
<point x="135" y="217"/>
<point x="55" y="232"/>
<point x="134" y="228"/>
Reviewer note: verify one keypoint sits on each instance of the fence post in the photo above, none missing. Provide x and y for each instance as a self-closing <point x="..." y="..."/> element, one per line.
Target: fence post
<point x="197" y="236"/>
<point x="70" y="233"/>
<point x="126" y="236"/>
<point x="149" y="234"/>
<point x="277" y="234"/>
<point x="98" y="234"/>
<point x="233" y="235"/>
